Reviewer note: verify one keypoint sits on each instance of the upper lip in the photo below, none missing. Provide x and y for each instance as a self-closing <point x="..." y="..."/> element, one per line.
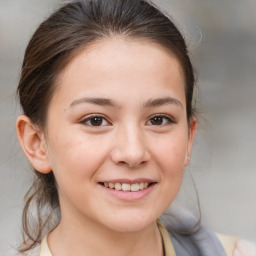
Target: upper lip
<point x="128" y="181"/>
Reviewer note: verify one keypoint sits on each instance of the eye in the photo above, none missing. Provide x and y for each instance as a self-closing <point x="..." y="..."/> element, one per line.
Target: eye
<point x="160" y="120"/>
<point x="95" y="120"/>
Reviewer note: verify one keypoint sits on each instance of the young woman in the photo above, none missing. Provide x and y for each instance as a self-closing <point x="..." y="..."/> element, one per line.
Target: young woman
<point x="108" y="125"/>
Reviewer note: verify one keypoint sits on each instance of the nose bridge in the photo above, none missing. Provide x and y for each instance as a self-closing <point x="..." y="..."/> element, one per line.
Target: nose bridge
<point x="130" y="147"/>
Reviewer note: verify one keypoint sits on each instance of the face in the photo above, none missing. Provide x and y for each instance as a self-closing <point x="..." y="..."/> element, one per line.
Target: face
<point x="117" y="136"/>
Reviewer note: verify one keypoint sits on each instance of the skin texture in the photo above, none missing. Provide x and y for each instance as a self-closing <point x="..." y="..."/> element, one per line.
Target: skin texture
<point x="128" y="144"/>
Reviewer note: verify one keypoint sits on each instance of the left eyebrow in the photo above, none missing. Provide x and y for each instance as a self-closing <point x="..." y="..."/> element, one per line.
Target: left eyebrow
<point x="96" y="101"/>
<point x="162" y="101"/>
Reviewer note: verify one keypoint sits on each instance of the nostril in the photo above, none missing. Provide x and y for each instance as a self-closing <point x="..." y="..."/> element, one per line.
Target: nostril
<point x="123" y="163"/>
<point x="129" y="157"/>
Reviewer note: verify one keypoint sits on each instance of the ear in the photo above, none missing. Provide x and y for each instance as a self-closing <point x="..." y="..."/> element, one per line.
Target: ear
<point x="191" y="135"/>
<point x="33" y="143"/>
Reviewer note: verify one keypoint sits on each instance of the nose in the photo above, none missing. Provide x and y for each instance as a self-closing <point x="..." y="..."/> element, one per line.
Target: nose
<point x="130" y="148"/>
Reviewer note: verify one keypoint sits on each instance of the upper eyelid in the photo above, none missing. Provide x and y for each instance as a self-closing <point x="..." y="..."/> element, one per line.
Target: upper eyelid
<point x="162" y="115"/>
<point x="88" y="117"/>
<point x="94" y="115"/>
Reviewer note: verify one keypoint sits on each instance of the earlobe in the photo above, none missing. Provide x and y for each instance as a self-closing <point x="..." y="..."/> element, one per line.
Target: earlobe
<point x="187" y="160"/>
<point x="33" y="144"/>
<point x="191" y="137"/>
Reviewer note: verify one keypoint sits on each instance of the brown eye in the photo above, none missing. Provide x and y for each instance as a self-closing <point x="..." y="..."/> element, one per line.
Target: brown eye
<point x="160" y="120"/>
<point x="95" y="121"/>
<point x="157" y="120"/>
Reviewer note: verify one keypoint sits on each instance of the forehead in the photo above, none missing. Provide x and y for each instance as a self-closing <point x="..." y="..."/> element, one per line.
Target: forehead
<point x="117" y="48"/>
<point x="121" y="63"/>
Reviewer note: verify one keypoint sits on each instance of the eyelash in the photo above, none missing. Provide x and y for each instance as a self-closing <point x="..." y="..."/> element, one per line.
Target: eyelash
<point x="102" y="121"/>
<point x="168" y="120"/>
<point x="100" y="118"/>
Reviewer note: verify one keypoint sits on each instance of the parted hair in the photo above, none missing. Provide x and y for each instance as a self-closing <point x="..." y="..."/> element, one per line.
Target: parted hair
<point x="53" y="45"/>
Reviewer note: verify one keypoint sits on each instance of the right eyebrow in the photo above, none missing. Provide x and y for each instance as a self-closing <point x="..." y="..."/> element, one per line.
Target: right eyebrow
<point x="96" y="101"/>
<point x="162" y="101"/>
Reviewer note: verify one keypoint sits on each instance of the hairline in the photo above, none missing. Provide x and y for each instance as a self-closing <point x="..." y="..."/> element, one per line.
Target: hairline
<point x="101" y="38"/>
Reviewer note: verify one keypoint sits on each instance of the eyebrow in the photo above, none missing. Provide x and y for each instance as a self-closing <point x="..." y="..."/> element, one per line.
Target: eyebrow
<point x="151" y="103"/>
<point x="96" y="101"/>
<point x="162" y="101"/>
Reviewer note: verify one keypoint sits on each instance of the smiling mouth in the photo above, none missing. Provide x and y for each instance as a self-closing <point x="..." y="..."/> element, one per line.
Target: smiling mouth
<point x="134" y="187"/>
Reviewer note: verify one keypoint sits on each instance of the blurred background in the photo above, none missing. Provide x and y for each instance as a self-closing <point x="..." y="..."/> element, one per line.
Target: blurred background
<point x="221" y="36"/>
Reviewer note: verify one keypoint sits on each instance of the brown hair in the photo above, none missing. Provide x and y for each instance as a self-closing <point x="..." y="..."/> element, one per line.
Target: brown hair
<point x="56" y="41"/>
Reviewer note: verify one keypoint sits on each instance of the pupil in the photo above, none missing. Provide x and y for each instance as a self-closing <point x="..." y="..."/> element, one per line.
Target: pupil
<point x="157" y="120"/>
<point x="96" y="121"/>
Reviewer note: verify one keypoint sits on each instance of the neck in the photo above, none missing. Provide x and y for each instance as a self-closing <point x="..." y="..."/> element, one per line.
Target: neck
<point x="76" y="237"/>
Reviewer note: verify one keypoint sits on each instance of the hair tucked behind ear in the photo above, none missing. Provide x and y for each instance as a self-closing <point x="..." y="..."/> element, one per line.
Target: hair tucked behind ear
<point x="56" y="41"/>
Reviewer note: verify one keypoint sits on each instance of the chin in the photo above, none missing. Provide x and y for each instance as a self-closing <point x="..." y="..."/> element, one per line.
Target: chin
<point x="130" y="223"/>
<point x="130" y="227"/>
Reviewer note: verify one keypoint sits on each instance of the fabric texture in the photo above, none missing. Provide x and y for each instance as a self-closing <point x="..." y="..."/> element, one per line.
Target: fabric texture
<point x="202" y="243"/>
<point x="167" y="242"/>
<point x="45" y="251"/>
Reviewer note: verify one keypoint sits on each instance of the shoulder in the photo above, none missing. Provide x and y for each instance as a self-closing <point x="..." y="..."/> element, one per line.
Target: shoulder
<point x="237" y="247"/>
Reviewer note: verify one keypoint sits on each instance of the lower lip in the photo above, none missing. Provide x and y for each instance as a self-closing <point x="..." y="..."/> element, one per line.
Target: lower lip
<point x="130" y="195"/>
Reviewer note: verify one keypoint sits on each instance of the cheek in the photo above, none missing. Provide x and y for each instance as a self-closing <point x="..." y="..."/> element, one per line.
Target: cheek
<point x="75" y="157"/>
<point x="170" y="153"/>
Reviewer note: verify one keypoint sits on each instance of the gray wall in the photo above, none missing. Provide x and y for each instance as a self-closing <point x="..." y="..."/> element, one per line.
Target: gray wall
<point x="222" y="40"/>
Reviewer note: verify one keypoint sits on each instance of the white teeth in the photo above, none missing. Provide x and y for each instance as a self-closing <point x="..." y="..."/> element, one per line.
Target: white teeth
<point x="135" y="187"/>
<point x="118" y="186"/>
<point x="141" y="185"/>
<point x="111" y="185"/>
<point x="127" y="187"/>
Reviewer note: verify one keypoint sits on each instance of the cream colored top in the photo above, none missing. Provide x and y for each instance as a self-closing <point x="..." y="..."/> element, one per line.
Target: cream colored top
<point x="45" y="251"/>
<point x="168" y="246"/>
